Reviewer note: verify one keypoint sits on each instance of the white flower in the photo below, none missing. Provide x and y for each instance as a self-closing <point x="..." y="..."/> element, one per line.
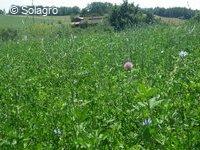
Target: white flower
<point x="147" y="122"/>
<point x="183" y="54"/>
<point x="57" y="131"/>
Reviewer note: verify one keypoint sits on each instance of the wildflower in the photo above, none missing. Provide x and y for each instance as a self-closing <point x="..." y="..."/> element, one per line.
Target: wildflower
<point x="128" y="65"/>
<point x="183" y="54"/>
<point x="162" y="52"/>
<point x="147" y="122"/>
<point x="57" y="131"/>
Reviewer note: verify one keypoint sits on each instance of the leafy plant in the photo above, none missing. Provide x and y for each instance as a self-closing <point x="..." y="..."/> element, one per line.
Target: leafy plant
<point x="128" y="15"/>
<point x="196" y="17"/>
<point x="8" y="34"/>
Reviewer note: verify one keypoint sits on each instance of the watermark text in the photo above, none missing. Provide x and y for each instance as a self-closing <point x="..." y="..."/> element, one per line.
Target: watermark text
<point x="33" y="10"/>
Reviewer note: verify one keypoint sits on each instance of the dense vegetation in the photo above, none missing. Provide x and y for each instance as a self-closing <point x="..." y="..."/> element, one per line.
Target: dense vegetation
<point x="67" y="88"/>
<point x="97" y="9"/>
<point x="196" y="18"/>
<point x="128" y="15"/>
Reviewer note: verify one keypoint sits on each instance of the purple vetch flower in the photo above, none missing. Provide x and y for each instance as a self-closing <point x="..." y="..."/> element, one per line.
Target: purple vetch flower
<point x="128" y="65"/>
<point x="147" y="122"/>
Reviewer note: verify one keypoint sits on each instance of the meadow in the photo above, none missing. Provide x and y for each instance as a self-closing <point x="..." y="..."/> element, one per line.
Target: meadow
<point x="64" y="88"/>
<point x="20" y="22"/>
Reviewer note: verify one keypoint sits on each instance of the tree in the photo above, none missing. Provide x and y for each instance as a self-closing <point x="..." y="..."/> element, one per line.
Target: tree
<point x="84" y="12"/>
<point x="76" y="10"/>
<point x="196" y="17"/>
<point x="128" y="15"/>
<point x="124" y="15"/>
<point x="98" y="9"/>
<point x="175" y="12"/>
<point x="149" y="18"/>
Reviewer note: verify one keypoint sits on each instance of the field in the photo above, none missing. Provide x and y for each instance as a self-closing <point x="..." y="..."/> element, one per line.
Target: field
<point x="24" y="21"/>
<point x="64" y="88"/>
<point x="171" y="21"/>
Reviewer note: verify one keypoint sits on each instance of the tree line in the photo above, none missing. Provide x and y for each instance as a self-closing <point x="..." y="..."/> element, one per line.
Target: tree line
<point x="175" y="12"/>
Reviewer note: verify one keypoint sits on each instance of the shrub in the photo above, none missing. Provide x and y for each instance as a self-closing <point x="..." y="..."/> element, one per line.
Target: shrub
<point x="197" y="17"/>
<point x="149" y="18"/>
<point x="128" y="15"/>
<point x="8" y="34"/>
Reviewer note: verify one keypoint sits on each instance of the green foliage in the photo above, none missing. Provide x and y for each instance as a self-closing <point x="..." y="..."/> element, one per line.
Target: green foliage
<point x="175" y="12"/>
<point x="84" y="12"/>
<point x="196" y="17"/>
<point x="8" y="34"/>
<point x="72" y="92"/>
<point x="84" y="25"/>
<point x="128" y="15"/>
<point x="149" y="18"/>
<point x="17" y="22"/>
<point x="97" y="9"/>
<point x="124" y="15"/>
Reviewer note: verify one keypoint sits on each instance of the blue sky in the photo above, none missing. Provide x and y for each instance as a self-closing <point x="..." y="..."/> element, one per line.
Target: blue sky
<point x="194" y="4"/>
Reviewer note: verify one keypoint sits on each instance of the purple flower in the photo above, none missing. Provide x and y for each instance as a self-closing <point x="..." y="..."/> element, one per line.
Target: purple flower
<point x="128" y="65"/>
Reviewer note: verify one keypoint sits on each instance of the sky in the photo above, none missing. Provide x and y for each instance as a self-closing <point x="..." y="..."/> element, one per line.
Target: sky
<point x="194" y="4"/>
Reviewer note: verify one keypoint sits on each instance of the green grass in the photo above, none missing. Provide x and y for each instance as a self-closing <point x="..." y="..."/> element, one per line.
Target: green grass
<point x="72" y="91"/>
<point x="24" y="21"/>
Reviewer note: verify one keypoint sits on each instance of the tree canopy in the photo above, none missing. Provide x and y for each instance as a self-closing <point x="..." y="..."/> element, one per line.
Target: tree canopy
<point x="97" y="9"/>
<point x="127" y="15"/>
